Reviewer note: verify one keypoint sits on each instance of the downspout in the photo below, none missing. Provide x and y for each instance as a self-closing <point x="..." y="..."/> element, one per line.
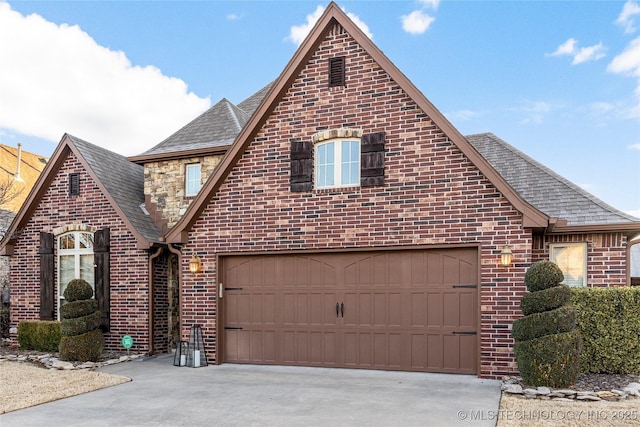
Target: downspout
<point x="173" y="250"/>
<point x="151" y="278"/>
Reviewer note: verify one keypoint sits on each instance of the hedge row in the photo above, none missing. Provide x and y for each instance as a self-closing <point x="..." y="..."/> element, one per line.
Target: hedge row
<point x="39" y="335"/>
<point x="609" y="321"/>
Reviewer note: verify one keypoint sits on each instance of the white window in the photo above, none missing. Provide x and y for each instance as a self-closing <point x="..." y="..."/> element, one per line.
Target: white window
<point x="192" y="179"/>
<point x="572" y="260"/>
<point x="75" y="261"/>
<point x="337" y="163"/>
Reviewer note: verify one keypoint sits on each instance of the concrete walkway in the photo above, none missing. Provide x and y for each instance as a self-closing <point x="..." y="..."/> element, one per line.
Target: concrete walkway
<point x="248" y="395"/>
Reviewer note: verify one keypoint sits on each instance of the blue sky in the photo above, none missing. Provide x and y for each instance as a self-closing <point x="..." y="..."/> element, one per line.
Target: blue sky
<point x="558" y="80"/>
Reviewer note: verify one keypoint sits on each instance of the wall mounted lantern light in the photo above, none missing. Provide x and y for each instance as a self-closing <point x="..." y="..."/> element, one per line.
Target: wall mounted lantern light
<point x="195" y="264"/>
<point x="506" y="256"/>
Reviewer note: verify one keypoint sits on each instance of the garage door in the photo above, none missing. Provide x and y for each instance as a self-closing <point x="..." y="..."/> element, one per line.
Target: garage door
<point x="397" y="310"/>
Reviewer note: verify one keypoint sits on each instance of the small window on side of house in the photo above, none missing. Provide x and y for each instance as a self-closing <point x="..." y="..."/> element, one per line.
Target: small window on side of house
<point x="74" y="184"/>
<point x="572" y="260"/>
<point x="192" y="179"/>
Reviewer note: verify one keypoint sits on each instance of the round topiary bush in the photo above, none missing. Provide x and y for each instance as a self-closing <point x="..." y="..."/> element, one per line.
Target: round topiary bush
<point x="549" y="299"/>
<point x="543" y="275"/>
<point x="547" y="344"/>
<point x="81" y="339"/>
<point x="77" y="289"/>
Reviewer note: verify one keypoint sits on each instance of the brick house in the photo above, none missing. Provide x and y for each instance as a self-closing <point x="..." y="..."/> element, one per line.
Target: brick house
<point x="335" y="218"/>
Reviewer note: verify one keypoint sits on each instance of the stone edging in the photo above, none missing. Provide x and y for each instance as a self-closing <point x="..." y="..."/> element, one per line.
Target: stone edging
<point x="511" y="385"/>
<point x="52" y="362"/>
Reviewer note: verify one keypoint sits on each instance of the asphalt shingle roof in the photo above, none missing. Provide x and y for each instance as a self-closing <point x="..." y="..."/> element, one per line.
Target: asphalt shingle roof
<point x="124" y="181"/>
<point x="216" y="127"/>
<point x="543" y="188"/>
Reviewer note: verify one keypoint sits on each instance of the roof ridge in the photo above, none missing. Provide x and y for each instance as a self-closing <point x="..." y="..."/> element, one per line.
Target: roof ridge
<point x="551" y="173"/>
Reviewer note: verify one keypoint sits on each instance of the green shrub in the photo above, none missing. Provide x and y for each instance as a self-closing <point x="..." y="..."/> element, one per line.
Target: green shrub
<point x="537" y="325"/>
<point x="548" y="299"/>
<point x="78" y="289"/>
<point x="80" y="325"/>
<point x="609" y="322"/>
<point x="552" y="360"/>
<point x="82" y="339"/>
<point x="39" y="335"/>
<point x="85" y="347"/>
<point x="543" y="275"/>
<point x="547" y="345"/>
<point x="74" y="309"/>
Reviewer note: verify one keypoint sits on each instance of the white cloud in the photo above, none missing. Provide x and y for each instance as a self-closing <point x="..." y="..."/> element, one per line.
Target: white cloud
<point x="580" y="55"/>
<point x="417" y="22"/>
<point x="430" y="3"/>
<point x="298" y="33"/>
<point x="634" y="147"/>
<point x="628" y="62"/>
<point x="232" y="17"/>
<point x="590" y="53"/>
<point x="462" y="115"/>
<point x="566" y="48"/>
<point x="57" y="79"/>
<point x="627" y="16"/>
<point x="535" y="111"/>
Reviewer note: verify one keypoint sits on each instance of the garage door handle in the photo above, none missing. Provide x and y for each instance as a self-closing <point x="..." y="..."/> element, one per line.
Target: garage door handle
<point x="464" y="333"/>
<point x="337" y="309"/>
<point x="342" y="309"/>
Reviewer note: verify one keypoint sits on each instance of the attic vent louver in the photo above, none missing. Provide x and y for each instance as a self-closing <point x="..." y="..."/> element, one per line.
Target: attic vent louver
<point x="336" y="71"/>
<point x="74" y="184"/>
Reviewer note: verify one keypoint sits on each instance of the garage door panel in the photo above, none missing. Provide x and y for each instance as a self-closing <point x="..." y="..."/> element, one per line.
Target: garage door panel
<point x="402" y="309"/>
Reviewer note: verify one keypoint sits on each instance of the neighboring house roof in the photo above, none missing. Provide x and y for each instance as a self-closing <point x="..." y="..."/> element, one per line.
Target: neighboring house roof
<point x="215" y="129"/>
<point x="532" y="217"/>
<point x="543" y="188"/>
<point x="121" y="181"/>
<point x="31" y="165"/>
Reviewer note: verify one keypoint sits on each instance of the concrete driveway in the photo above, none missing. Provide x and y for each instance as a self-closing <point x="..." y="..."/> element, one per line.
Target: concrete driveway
<point x="248" y="395"/>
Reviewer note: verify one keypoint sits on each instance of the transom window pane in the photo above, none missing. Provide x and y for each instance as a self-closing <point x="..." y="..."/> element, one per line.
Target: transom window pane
<point x="337" y="163"/>
<point x="192" y="181"/>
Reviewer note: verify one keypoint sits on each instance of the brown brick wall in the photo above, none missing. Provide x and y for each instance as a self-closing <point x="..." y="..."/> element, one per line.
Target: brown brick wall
<point x="432" y="195"/>
<point x="129" y="282"/>
<point x="606" y="255"/>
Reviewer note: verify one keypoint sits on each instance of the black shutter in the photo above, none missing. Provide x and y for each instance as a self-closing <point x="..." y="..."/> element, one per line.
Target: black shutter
<point x="102" y="276"/>
<point x="301" y="166"/>
<point x="47" y="276"/>
<point x="372" y="160"/>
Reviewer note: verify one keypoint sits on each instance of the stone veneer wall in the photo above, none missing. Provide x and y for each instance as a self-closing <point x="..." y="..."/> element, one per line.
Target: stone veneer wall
<point x="129" y="266"/>
<point x="164" y="183"/>
<point x="432" y="195"/>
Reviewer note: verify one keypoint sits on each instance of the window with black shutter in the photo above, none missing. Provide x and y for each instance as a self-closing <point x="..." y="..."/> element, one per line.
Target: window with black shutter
<point x="372" y="159"/>
<point x="102" y="278"/>
<point x="301" y="178"/>
<point x="47" y="276"/>
<point x="74" y="184"/>
<point x="336" y="71"/>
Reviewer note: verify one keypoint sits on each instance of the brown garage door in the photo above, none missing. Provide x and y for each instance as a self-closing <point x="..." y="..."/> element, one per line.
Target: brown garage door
<point x="399" y="310"/>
